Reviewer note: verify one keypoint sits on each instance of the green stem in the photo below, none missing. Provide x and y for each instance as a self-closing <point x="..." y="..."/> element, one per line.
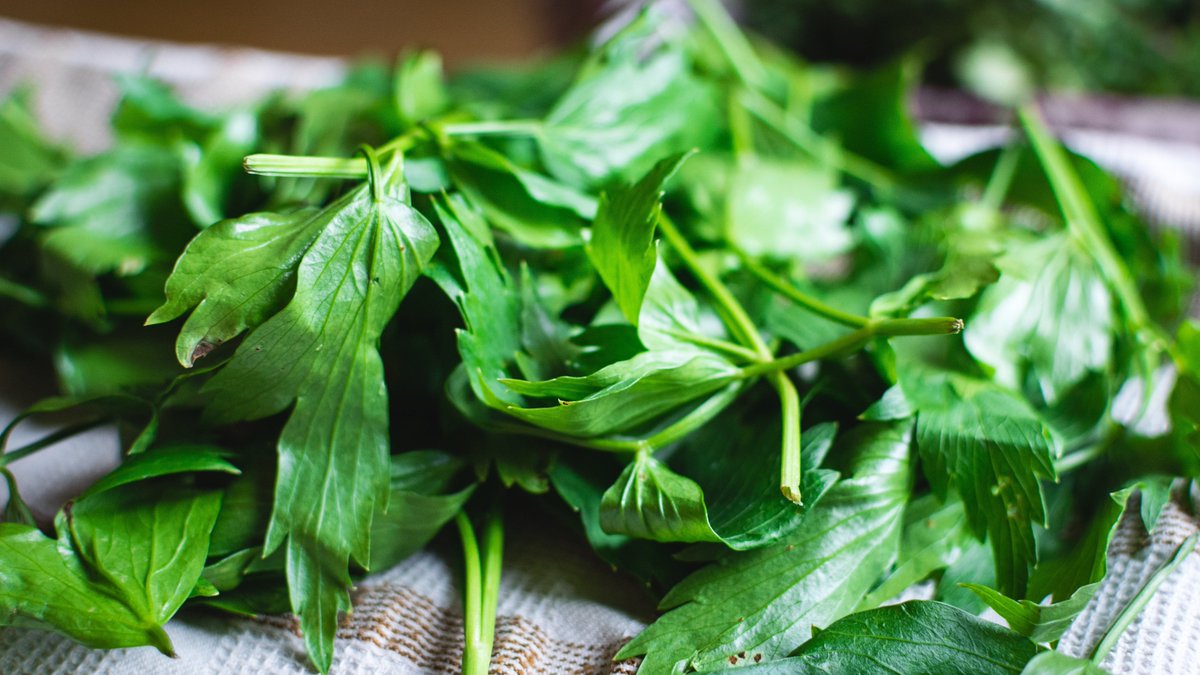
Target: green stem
<point x="1139" y="601"/>
<point x="740" y="324"/>
<point x="472" y="600"/>
<point x="1082" y="219"/>
<point x="22" y="294"/>
<point x="493" y="128"/>
<point x="820" y="147"/>
<point x="315" y="167"/>
<point x="48" y="440"/>
<point x="481" y="593"/>
<point x="731" y="41"/>
<point x="855" y="340"/>
<point x="715" y="344"/>
<point x="747" y="333"/>
<point x="781" y="286"/>
<point x="1001" y="178"/>
<point x="493" y="563"/>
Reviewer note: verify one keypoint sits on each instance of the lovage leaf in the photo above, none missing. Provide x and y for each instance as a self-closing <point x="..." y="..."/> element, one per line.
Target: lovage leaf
<point x="622" y="243"/>
<point x="993" y="448"/>
<point x="914" y="637"/>
<point x="1050" y="312"/>
<point x="1041" y="623"/>
<point x="627" y="393"/>
<point x="124" y="562"/>
<point x="115" y="211"/>
<point x="649" y="501"/>
<point x="487" y="299"/>
<point x="626" y="114"/>
<point x="736" y="501"/>
<point x="321" y="351"/>
<point x="238" y="272"/>
<point x="763" y="603"/>
<point x="416" y="509"/>
<point x="163" y="462"/>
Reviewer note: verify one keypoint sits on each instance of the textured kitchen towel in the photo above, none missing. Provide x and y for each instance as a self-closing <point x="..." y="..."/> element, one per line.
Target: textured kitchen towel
<point x="1164" y="637"/>
<point x="561" y="611"/>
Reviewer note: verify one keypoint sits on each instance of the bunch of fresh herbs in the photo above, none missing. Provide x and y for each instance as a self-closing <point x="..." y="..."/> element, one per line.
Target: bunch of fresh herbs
<point x="720" y="304"/>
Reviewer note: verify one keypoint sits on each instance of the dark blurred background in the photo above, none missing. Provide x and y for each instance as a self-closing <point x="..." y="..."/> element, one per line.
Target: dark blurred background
<point x="993" y="47"/>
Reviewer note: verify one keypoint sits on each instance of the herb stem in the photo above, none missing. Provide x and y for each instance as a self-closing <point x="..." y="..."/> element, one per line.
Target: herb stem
<point x="1001" y="178"/>
<point x="854" y="341"/>
<point x="22" y="293"/>
<point x="316" y="167"/>
<point x="493" y="563"/>
<point x="802" y="135"/>
<point x="1082" y="219"/>
<point x="731" y="41"/>
<point x="494" y="128"/>
<point x="472" y="599"/>
<point x="746" y="332"/>
<point x="778" y="284"/>
<point x="48" y="440"/>
<point x="716" y="344"/>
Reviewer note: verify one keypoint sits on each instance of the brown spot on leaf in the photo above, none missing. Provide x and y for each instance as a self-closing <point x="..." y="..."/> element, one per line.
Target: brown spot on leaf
<point x="733" y="660"/>
<point x="203" y="348"/>
<point x="757" y="658"/>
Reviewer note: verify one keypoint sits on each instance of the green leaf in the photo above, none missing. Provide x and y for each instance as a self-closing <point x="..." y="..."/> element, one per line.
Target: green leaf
<point x="1050" y="312"/>
<point x="213" y="165"/>
<point x="735" y="460"/>
<point x="992" y="448"/>
<point x="669" y="317"/>
<point x="535" y="210"/>
<point x="581" y="480"/>
<point x="870" y="117"/>
<point x="42" y="587"/>
<point x="1057" y="663"/>
<point x="419" y="88"/>
<point x="416" y="511"/>
<point x="766" y="602"/>
<point x="28" y="160"/>
<point x="622" y="243"/>
<point x="649" y="501"/>
<point x="239" y="272"/>
<point x="626" y="113"/>
<point x="115" y="212"/>
<point x="148" y="543"/>
<point x="1040" y="623"/>
<point x="787" y="209"/>
<point x="165" y="461"/>
<point x="150" y="112"/>
<point x="124" y="562"/>
<point x="487" y="298"/>
<point x="621" y="396"/>
<point x="16" y="510"/>
<point x="935" y="536"/>
<point x="321" y="351"/>
<point x="914" y="637"/>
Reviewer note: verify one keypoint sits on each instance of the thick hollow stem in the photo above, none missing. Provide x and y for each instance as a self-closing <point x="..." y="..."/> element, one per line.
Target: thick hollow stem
<point x="855" y="340"/>
<point x="473" y="663"/>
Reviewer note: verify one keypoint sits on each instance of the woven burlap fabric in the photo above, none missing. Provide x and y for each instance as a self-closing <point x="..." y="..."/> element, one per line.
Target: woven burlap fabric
<point x="561" y="611"/>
